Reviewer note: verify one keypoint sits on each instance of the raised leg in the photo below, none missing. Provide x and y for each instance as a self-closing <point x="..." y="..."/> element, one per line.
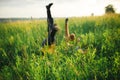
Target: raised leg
<point x="50" y="20"/>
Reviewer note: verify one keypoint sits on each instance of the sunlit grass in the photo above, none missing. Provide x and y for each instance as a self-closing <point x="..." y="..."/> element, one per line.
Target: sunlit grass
<point x="95" y="56"/>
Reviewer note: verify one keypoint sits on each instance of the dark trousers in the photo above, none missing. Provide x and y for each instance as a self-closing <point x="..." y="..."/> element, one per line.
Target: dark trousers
<point x="50" y="22"/>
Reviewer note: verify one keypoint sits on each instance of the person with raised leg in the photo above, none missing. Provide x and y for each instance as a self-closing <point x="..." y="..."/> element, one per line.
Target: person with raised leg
<point x="52" y="29"/>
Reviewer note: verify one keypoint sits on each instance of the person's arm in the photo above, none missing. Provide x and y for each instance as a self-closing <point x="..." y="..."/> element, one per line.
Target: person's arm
<point x="66" y="28"/>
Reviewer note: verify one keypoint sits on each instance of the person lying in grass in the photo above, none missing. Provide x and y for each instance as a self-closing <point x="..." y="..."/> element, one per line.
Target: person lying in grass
<point x="52" y="30"/>
<point x="68" y="36"/>
<point x="72" y="38"/>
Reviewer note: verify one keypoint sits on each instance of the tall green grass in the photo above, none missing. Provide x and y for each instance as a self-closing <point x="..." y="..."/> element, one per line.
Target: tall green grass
<point x="21" y="57"/>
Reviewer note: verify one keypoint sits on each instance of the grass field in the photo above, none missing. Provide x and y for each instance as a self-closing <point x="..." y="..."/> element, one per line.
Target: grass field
<point x="21" y="57"/>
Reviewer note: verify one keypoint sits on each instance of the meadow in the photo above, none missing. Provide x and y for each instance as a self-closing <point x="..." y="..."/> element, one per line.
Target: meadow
<point x="95" y="56"/>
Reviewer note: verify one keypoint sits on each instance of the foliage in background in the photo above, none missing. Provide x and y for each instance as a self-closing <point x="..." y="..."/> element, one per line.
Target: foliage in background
<point x="109" y="9"/>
